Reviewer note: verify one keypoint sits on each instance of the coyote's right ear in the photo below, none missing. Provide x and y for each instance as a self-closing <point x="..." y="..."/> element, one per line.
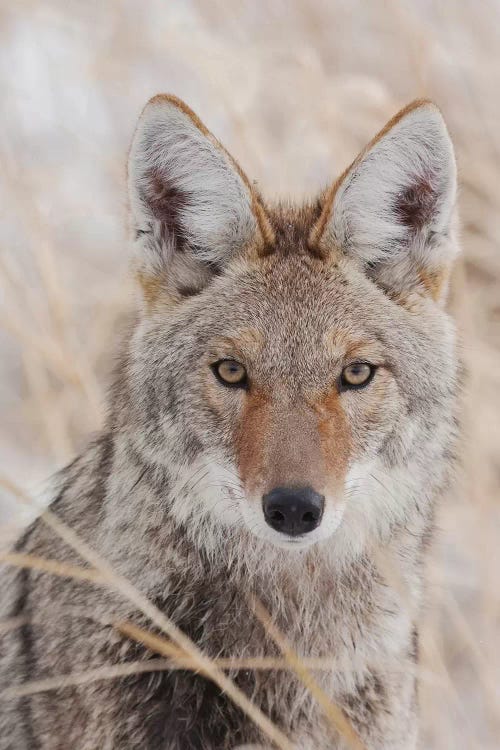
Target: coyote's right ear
<point x="192" y="207"/>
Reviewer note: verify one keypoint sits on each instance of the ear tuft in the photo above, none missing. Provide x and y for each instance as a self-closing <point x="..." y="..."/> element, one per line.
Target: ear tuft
<point x="166" y="201"/>
<point x="416" y="205"/>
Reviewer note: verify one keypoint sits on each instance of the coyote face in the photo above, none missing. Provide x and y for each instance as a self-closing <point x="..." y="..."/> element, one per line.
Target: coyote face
<point x="294" y="364"/>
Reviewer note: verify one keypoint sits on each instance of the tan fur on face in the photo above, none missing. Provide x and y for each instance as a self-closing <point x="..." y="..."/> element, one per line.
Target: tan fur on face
<point x="293" y="444"/>
<point x="245" y="344"/>
<point x="254" y="425"/>
<point x="340" y="343"/>
<point x="335" y="438"/>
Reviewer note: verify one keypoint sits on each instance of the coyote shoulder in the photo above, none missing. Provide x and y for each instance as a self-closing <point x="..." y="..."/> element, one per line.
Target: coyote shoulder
<point x="281" y="425"/>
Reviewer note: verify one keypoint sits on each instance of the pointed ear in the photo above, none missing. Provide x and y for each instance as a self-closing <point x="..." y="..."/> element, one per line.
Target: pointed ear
<point x="393" y="208"/>
<point x="192" y="208"/>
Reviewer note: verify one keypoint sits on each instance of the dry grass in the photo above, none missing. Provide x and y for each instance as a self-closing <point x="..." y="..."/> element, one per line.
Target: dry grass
<point x="294" y="90"/>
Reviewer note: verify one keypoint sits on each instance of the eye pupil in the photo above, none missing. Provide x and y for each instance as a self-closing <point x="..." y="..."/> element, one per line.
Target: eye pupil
<point x="230" y="373"/>
<point x="357" y="375"/>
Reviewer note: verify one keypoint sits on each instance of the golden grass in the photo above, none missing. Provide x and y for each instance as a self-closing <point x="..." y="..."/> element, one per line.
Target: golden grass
<point x="293" y="90"/>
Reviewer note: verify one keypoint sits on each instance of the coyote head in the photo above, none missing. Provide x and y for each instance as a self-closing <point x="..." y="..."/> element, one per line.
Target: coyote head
<point x="293" y="366"/>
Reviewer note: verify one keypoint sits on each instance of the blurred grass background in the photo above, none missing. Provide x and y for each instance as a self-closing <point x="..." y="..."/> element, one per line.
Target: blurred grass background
<point x="293" y="89"/>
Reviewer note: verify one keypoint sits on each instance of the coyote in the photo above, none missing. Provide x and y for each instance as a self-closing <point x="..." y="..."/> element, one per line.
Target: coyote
<point x="281" y="425"/>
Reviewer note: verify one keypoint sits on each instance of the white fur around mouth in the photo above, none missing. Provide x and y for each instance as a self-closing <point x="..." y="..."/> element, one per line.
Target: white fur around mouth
<point x="300" y="542"/>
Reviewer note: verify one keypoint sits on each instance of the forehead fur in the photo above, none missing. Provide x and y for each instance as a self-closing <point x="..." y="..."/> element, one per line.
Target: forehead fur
<point x="293" y="225"/>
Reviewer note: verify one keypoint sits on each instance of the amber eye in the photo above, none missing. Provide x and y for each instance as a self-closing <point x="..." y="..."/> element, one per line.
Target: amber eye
<point x="357" y="375"/>
<point x="229" y="372"/>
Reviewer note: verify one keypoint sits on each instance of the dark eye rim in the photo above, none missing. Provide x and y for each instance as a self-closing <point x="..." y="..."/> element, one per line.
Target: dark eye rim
<point x="242" y="384"/>
<point x="346" y="386"/>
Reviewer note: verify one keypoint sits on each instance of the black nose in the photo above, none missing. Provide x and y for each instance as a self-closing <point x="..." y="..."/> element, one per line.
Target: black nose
<point x="293" y="510"/>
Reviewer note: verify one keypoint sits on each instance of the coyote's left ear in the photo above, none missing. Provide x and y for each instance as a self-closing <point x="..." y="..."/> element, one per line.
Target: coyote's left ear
<point x="393" y="209"/>
<point x="192" y="208"/>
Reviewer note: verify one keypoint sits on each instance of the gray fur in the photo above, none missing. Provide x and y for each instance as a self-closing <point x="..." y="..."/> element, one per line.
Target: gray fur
<point x="158" y="494"/>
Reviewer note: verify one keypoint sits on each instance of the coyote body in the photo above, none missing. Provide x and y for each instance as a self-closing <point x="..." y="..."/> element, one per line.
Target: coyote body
<point x="341" y="379"/>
